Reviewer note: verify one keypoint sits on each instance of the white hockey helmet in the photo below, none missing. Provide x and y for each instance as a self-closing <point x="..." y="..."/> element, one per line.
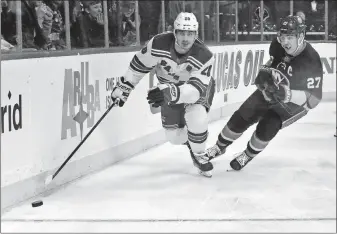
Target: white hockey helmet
<point x="186" y="21"/>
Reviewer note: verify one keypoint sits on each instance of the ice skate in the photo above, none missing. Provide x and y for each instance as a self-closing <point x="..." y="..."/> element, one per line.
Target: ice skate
<point x="214" y="152"/>
<point x="240" y="161"/>
<point x="201" y="162"/>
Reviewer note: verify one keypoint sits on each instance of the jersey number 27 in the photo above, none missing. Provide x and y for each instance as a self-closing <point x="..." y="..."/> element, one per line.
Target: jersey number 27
<point x="313" y="82"/>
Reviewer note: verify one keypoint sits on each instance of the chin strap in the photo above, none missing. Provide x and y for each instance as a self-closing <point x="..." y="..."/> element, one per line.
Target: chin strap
<point x="300" y="42"/>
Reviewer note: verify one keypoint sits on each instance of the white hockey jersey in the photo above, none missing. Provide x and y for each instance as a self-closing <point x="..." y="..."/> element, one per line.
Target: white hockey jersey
<point x="192" y="69"/>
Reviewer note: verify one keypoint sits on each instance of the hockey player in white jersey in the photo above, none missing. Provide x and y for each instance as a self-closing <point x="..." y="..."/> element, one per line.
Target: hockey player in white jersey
<point x="183" y="66"/>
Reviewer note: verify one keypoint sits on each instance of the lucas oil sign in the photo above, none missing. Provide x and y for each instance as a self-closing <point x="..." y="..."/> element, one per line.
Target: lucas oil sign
<point x="238" y="69"/>
<point x="234" y="67"/>
<point x="80" y="101"/>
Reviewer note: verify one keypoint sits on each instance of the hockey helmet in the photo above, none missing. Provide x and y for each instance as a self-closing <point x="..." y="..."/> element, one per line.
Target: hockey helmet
<point x="292" y="25"/>
<point x="186" y="21"/>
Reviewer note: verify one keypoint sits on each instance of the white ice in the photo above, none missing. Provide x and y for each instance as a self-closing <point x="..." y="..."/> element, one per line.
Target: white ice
<point x="290" y="187"/>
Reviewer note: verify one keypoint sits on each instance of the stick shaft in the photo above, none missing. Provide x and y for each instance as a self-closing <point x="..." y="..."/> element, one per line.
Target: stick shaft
<point x="84" y="139"/>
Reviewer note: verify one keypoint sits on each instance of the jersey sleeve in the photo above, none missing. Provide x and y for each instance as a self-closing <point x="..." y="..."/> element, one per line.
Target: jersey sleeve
<point x="200" y="79"/>
<point x="142" y="63"/>
<point x="310" y="80"/>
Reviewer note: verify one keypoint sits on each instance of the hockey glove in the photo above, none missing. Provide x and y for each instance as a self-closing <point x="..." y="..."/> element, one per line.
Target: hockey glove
<point x="264" y="78"/>
<point x="163" y="93"/>
<point x="281" y="94"/>
<point x="121" y="91"/>
<point x="273" y="84"/>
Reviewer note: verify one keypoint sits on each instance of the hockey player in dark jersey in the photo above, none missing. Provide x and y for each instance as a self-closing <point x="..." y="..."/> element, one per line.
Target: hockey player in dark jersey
<point x="289" y="85"/>
<point x="183" y="66"/>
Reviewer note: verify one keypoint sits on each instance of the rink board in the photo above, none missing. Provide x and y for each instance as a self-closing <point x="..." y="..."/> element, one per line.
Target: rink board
<point x="49" y="104"/>
<point x="289" y="187"/>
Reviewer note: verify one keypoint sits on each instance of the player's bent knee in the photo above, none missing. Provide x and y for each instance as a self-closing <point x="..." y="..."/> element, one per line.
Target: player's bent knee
<point x="237" y="123"/>
<point x="268" y="126"/>
<point x="196" y="118"/>
<point x="176" y="136"/>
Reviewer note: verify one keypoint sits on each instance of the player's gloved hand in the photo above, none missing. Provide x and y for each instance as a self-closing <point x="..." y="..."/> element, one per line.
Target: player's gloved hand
<point x="281" y="94"/>
<point x="163" y="93"/>
<point x="273" y="84"/>
<point x="264" y="78"/>
<point x="121" y="91"/>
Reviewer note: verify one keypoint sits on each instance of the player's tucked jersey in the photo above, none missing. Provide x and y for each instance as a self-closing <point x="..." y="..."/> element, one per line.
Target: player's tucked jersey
<point x="304" y="71"/>
<point x="192" y="68"/>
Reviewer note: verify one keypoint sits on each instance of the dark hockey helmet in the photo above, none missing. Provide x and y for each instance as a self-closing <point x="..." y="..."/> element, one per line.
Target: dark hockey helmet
<point x="292" y="25"/>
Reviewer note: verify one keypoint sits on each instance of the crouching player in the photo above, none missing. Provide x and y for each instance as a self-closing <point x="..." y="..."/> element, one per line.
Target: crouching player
<point x="289" y="85"/>
<point x="183" y="66"/>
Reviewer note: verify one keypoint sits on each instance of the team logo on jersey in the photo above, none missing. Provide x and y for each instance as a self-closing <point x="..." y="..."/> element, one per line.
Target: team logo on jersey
<point x="281" y="66"/>
<point x="285" y="68"/>
<point x="279" y="76"/>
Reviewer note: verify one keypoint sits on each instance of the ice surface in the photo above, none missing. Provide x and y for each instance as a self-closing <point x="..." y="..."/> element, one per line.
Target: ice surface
<point x="290" y="187"/>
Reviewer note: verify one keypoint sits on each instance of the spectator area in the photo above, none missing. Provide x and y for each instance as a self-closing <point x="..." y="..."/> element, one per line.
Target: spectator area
<point x="32" y="28"/>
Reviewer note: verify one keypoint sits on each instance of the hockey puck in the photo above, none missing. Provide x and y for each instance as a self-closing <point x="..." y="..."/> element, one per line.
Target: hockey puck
<point x="37" y="203"/>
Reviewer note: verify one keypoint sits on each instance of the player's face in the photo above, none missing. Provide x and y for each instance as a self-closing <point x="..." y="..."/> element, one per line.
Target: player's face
<point x="185" y="39"/>
<point x="289" y="43"/>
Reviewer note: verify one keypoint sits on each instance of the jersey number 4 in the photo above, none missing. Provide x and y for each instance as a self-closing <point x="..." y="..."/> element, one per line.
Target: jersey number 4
<point x="313" y="82"/>
<point x="207" y="71"/>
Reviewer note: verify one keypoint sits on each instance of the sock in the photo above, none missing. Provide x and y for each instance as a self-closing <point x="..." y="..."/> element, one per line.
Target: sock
<point x="227" y="137"/>
<point x="255" y="146"/>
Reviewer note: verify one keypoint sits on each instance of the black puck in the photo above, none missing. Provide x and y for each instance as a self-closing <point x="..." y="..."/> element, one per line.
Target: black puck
<point x="37" y="203"/>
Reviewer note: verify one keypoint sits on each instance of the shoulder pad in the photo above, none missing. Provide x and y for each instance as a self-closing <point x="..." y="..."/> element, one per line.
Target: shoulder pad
<point x="310" y="52"/>
<point x="163" y="41"/>
<point x="200" y="52"/>
<point x="275" y="49"/>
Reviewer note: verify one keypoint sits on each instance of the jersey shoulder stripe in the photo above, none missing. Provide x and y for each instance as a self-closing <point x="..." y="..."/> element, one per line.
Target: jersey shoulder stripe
<point x="161" y="53"/>
<point x="194" y="62"/>
<point x="137" y="65"/>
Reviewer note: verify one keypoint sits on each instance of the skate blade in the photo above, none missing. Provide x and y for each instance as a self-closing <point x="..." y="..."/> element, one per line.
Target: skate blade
<point x="207" y="174"/>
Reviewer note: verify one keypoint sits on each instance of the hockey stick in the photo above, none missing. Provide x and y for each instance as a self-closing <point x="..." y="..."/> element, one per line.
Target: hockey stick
<point x="51" y="177"/>
<point x="284" y="106"/>
<point x="295" y="115"/>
